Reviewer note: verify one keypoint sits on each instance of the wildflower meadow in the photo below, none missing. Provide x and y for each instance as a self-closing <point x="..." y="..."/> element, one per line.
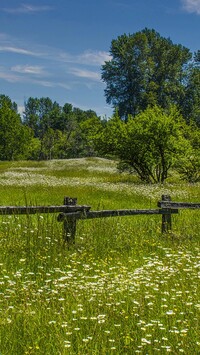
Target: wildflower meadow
<point x="122" y="288"/>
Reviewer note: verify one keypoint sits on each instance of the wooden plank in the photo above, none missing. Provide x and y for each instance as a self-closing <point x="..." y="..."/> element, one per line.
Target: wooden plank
<point x="12" y="210"/>
<point x="111" y="213"/>
<point x="168" y="204"/>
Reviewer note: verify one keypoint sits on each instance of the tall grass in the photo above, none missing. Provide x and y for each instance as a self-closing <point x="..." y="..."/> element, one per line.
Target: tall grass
<point x="123" y="288"/>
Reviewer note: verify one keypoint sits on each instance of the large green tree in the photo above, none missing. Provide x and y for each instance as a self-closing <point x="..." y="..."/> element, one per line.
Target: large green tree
<point x="145" y="69"/>
<point x="148" y="144"/>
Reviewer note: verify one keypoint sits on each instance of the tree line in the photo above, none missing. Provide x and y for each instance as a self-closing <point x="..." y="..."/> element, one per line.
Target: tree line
<point x="154" y="88"/>
<point x="46" y="130"/>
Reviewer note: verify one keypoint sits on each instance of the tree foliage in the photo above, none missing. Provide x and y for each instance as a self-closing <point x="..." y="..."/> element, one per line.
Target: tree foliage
<point x="14" y="137"/>
<point x="149" y="144"/>
<point x="145" y="69"/>
<point x="47" y="130"/>
<point x="188" y="165"/>
<point x="63" y="132"/>
<point x="191" y="104"/>
<point x="6" y="101"/>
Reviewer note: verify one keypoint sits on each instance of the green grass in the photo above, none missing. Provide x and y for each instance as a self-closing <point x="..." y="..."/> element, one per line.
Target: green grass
<point x="123" y="288"/>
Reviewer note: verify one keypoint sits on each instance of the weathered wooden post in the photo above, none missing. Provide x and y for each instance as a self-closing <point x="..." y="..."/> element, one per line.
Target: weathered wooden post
<point x="166" y="217"/>
<point x="69" y="224"/>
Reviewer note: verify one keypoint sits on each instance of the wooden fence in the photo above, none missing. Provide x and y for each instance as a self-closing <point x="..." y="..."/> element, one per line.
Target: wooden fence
<point x="70" y="212"/>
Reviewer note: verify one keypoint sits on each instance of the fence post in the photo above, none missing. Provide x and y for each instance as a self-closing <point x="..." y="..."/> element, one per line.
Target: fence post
<point x="166" y="217"/>
<point x="69" y="224"/>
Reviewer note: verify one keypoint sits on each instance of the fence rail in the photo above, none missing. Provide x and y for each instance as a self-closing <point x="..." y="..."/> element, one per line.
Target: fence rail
<point x="70" y="212"/>
<point x="110" y="213"/>
<point x="12" y="210"/>
<point x="170" y="204"/>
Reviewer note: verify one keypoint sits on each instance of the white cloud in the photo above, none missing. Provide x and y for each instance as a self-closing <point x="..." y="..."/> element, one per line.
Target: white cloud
<point x="45" y="83"/>
<point x="49" y="84"/>
<point x="191" y="6"/>
<point x="64" y="86"/>
<point x="87" y="74"/>
<point x="28" y="69"/>
<point x="88" y="57"/>
<point x="55" y="70"/>
<point x="94" y="57"/>
<point x="20" y="109"/>
<point x="27" y="9"/>
<point x="12" y="78"/>
<point x="18" y="50"/>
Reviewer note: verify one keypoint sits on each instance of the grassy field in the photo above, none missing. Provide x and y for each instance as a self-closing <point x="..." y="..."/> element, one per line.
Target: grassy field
<point x="123" y="288"/>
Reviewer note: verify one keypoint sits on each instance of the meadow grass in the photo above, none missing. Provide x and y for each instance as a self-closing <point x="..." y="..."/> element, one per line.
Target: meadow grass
<point x="123" y="288"/>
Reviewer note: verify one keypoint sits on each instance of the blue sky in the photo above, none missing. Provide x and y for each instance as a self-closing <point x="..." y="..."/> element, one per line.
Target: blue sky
<point x="55" y="48"/>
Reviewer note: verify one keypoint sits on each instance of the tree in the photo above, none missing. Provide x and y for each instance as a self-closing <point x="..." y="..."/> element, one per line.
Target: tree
<point x="5" y="100"/>
<point x="191" y="103"/>
<point x="148" y="144"/>
<point x="188" y="166"/>
<point x="41" y="114"/>
<point x="89" y="129"/>
<point x="31" y="115"/>
<point x="50" y="144"/>
<point x="14" y="137"/>
<point x="145" y="69"/>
